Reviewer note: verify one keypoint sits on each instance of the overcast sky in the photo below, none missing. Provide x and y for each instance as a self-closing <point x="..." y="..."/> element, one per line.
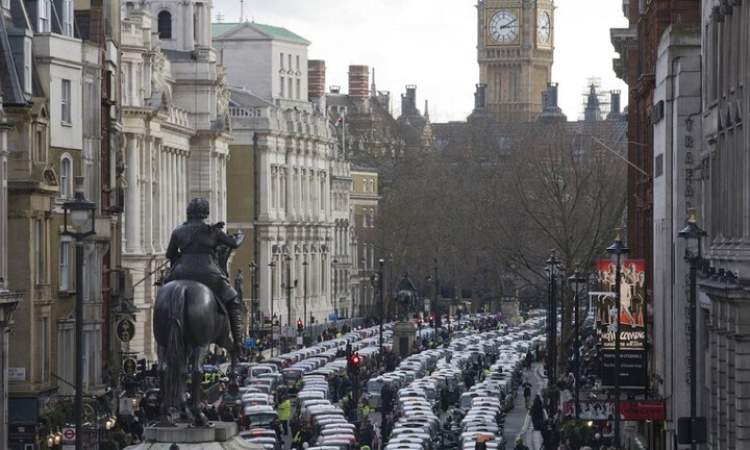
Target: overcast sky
<point x="432" y="43"/>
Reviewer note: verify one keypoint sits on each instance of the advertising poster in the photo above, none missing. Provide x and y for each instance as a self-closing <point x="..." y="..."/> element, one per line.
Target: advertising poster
<point x="631" y="321"/>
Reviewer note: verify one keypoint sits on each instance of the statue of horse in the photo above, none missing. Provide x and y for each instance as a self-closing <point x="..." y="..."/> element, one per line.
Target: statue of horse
<point x="187" y="320"/>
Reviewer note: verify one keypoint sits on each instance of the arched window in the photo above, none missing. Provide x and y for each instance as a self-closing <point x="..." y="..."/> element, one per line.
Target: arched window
<point x="165" y="25"/>
<point x="66" y="177"/>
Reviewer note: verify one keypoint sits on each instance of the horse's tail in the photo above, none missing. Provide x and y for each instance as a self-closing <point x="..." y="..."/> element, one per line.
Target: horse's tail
<point x="175" y="348"/>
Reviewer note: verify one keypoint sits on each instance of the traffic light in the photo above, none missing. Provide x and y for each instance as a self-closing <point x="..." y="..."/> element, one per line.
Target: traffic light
<point x="432" y="321"/>
<point x="352" y="364"/>
<point x="300" y="325"/>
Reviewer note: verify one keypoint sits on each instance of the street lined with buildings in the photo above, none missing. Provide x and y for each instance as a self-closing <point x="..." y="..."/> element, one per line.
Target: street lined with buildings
<point x="349" y="205"/>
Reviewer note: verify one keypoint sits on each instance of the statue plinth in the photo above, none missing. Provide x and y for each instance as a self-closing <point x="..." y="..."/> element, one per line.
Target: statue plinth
<point x="404" y="335"/>
<point x="218" y="436"/>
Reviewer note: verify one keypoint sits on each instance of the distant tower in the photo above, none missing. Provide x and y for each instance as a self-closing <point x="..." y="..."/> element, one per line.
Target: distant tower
<point x="183" y="25"/>
<point x="515" y="51"/>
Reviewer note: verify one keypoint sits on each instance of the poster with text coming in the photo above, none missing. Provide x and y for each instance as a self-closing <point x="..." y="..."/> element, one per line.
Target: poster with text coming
<point x="632" y="319"/>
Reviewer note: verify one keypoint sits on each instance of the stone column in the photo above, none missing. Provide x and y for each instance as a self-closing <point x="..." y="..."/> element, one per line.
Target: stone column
<point x="132" y="199"/>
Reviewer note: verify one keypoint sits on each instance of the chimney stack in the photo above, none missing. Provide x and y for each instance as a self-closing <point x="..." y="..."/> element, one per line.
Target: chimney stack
<point x="316" y="79"/>
<point x="359" y="82"/>
<point x="615" y="112"/>
<point x="551" y="112"/>
<point x="480" y="96"/>
<point x="409" y="100"/>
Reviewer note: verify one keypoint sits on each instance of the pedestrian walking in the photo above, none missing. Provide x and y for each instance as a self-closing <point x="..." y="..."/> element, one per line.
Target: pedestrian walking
<point x="527" y="393"/>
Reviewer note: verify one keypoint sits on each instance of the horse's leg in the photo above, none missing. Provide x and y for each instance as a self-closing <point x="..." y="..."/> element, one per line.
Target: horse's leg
<point x="167" y="401"/>
<point x="197" y="356"/>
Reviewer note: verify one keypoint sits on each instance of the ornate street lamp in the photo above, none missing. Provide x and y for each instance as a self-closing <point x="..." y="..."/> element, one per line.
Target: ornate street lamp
<point x="272" y="269"/>
<point x="617" y="251"/>
<point x="552" y="268"/>
<point x="253" y="284"/>
<point x="304" y="290"/>
<point x="575" y="281"/>
<point x="693" y="236"/>
<point x="381" y="261"/>
<point x="79" y="222"/>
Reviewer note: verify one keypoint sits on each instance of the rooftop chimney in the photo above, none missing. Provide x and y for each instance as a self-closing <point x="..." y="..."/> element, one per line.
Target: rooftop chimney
<point x="615" y="112"/>
<point x="409" y="100"/>
<point x="334" y="89"/>
<point x="550" y="110"/>
<point x="316" y="78"/>
<point x="480" y="96"/>
<point x="359" y="80"/>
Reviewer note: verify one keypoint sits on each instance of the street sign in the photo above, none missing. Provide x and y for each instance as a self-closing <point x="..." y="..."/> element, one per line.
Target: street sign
<point x="69" y="434"/>
<point x="299" y="340"/>
<point x="249" y="343"/>
<point x="642" y="410"/>
<point x="125" y="330"/>
<point x="129" y="366"/>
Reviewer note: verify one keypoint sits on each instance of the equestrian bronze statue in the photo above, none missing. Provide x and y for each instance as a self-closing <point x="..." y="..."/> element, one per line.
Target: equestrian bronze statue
<point x="195" y="307"/>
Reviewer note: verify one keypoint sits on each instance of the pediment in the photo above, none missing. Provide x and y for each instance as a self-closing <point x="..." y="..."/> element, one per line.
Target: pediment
<point x="245" y="31"/>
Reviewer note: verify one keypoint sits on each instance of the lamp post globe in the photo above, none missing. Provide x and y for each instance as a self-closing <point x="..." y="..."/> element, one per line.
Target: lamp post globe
<point x="617" y="250"/>
<point x="79" y="222"/>
<point x="693" y="236"/>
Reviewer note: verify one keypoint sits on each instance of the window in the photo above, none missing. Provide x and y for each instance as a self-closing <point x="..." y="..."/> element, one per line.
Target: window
<point x="165" y="25"/>
<point x="67" y="17"/>
<point x="290" y="92"/>
<point x="299" y="89"/>
<point x="66" y="177"/>
<point x="39" y="250"/>
<point x="322" y="193"/>
<point x="281" y="60"/>
<point x="64" y="273"/>
<point x="298" y="63"/>
<point x="290" y="62"/>
<point x="281" y="84"/>
<point x="43" y="13"/>
<point x="6" y="4"/>
<point x="27" y="66"/>
<point x="44" y="348"/>
<point x="65" y="101"/>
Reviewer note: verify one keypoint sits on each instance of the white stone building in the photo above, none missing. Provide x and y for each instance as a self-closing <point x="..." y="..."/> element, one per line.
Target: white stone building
<point x="294" y="146"/>
<point x="677" y="95"/>
<point x="176" y="137"/>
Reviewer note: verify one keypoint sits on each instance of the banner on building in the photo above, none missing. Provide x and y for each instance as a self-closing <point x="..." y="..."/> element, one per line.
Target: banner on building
<point x="632" y="319"/>
<point x="631" y="410"/>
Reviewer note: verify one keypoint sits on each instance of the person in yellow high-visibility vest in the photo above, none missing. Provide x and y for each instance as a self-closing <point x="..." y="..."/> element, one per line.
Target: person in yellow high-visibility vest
<point x="285" y="412"/>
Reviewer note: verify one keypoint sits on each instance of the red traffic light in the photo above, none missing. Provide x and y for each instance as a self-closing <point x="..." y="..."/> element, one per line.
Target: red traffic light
<point x="355" y="359"/>
<point x="299" y="322"/>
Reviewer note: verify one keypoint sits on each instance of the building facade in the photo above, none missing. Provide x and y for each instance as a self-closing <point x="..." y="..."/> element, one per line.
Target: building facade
<point x="365" y="196"/>
<point x="175" y="144"/>
<point x="720" y="175"/>
<point x="515" y="53"/>
<point x="293" y="148"/>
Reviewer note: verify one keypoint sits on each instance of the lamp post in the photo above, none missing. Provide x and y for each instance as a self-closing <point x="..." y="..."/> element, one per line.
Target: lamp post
<point x="272" y="268"/>
<point x="253" y="285"/>
<point x="693" y="236"/>
<point x="304" y="290"/>
<point x="381" y="261"/>
<point x="553" y="266"/>
<point x="617" y="250"/>
<point x="575" y="281"/>
<point x="79" y="222"/>
<point x="438" y="312"/>
<point x="288" y="260"/>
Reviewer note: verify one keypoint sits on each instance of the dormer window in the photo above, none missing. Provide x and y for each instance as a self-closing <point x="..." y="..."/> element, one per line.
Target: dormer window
<point x="67" y="17"/>
<point x="44" y="11"/>
<point x="165" y="25"/>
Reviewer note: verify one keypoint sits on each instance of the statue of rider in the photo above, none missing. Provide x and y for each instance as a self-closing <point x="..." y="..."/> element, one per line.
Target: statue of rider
<point x="192" y="253"/>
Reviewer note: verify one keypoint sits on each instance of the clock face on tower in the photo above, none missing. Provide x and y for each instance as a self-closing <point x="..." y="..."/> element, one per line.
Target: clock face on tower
<point x="544" y="28"/>
<point x="504" y="27"/>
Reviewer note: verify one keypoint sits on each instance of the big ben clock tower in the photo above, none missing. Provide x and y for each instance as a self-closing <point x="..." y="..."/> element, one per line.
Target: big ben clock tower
<point x="515" y="52"/>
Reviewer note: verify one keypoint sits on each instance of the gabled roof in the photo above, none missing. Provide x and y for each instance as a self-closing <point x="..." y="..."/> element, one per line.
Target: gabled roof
<point x="271" y="32"/>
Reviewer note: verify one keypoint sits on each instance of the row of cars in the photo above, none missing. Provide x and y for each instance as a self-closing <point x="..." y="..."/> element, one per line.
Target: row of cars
<point x="313" y="366"/>
<point x="481" y="409"/>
